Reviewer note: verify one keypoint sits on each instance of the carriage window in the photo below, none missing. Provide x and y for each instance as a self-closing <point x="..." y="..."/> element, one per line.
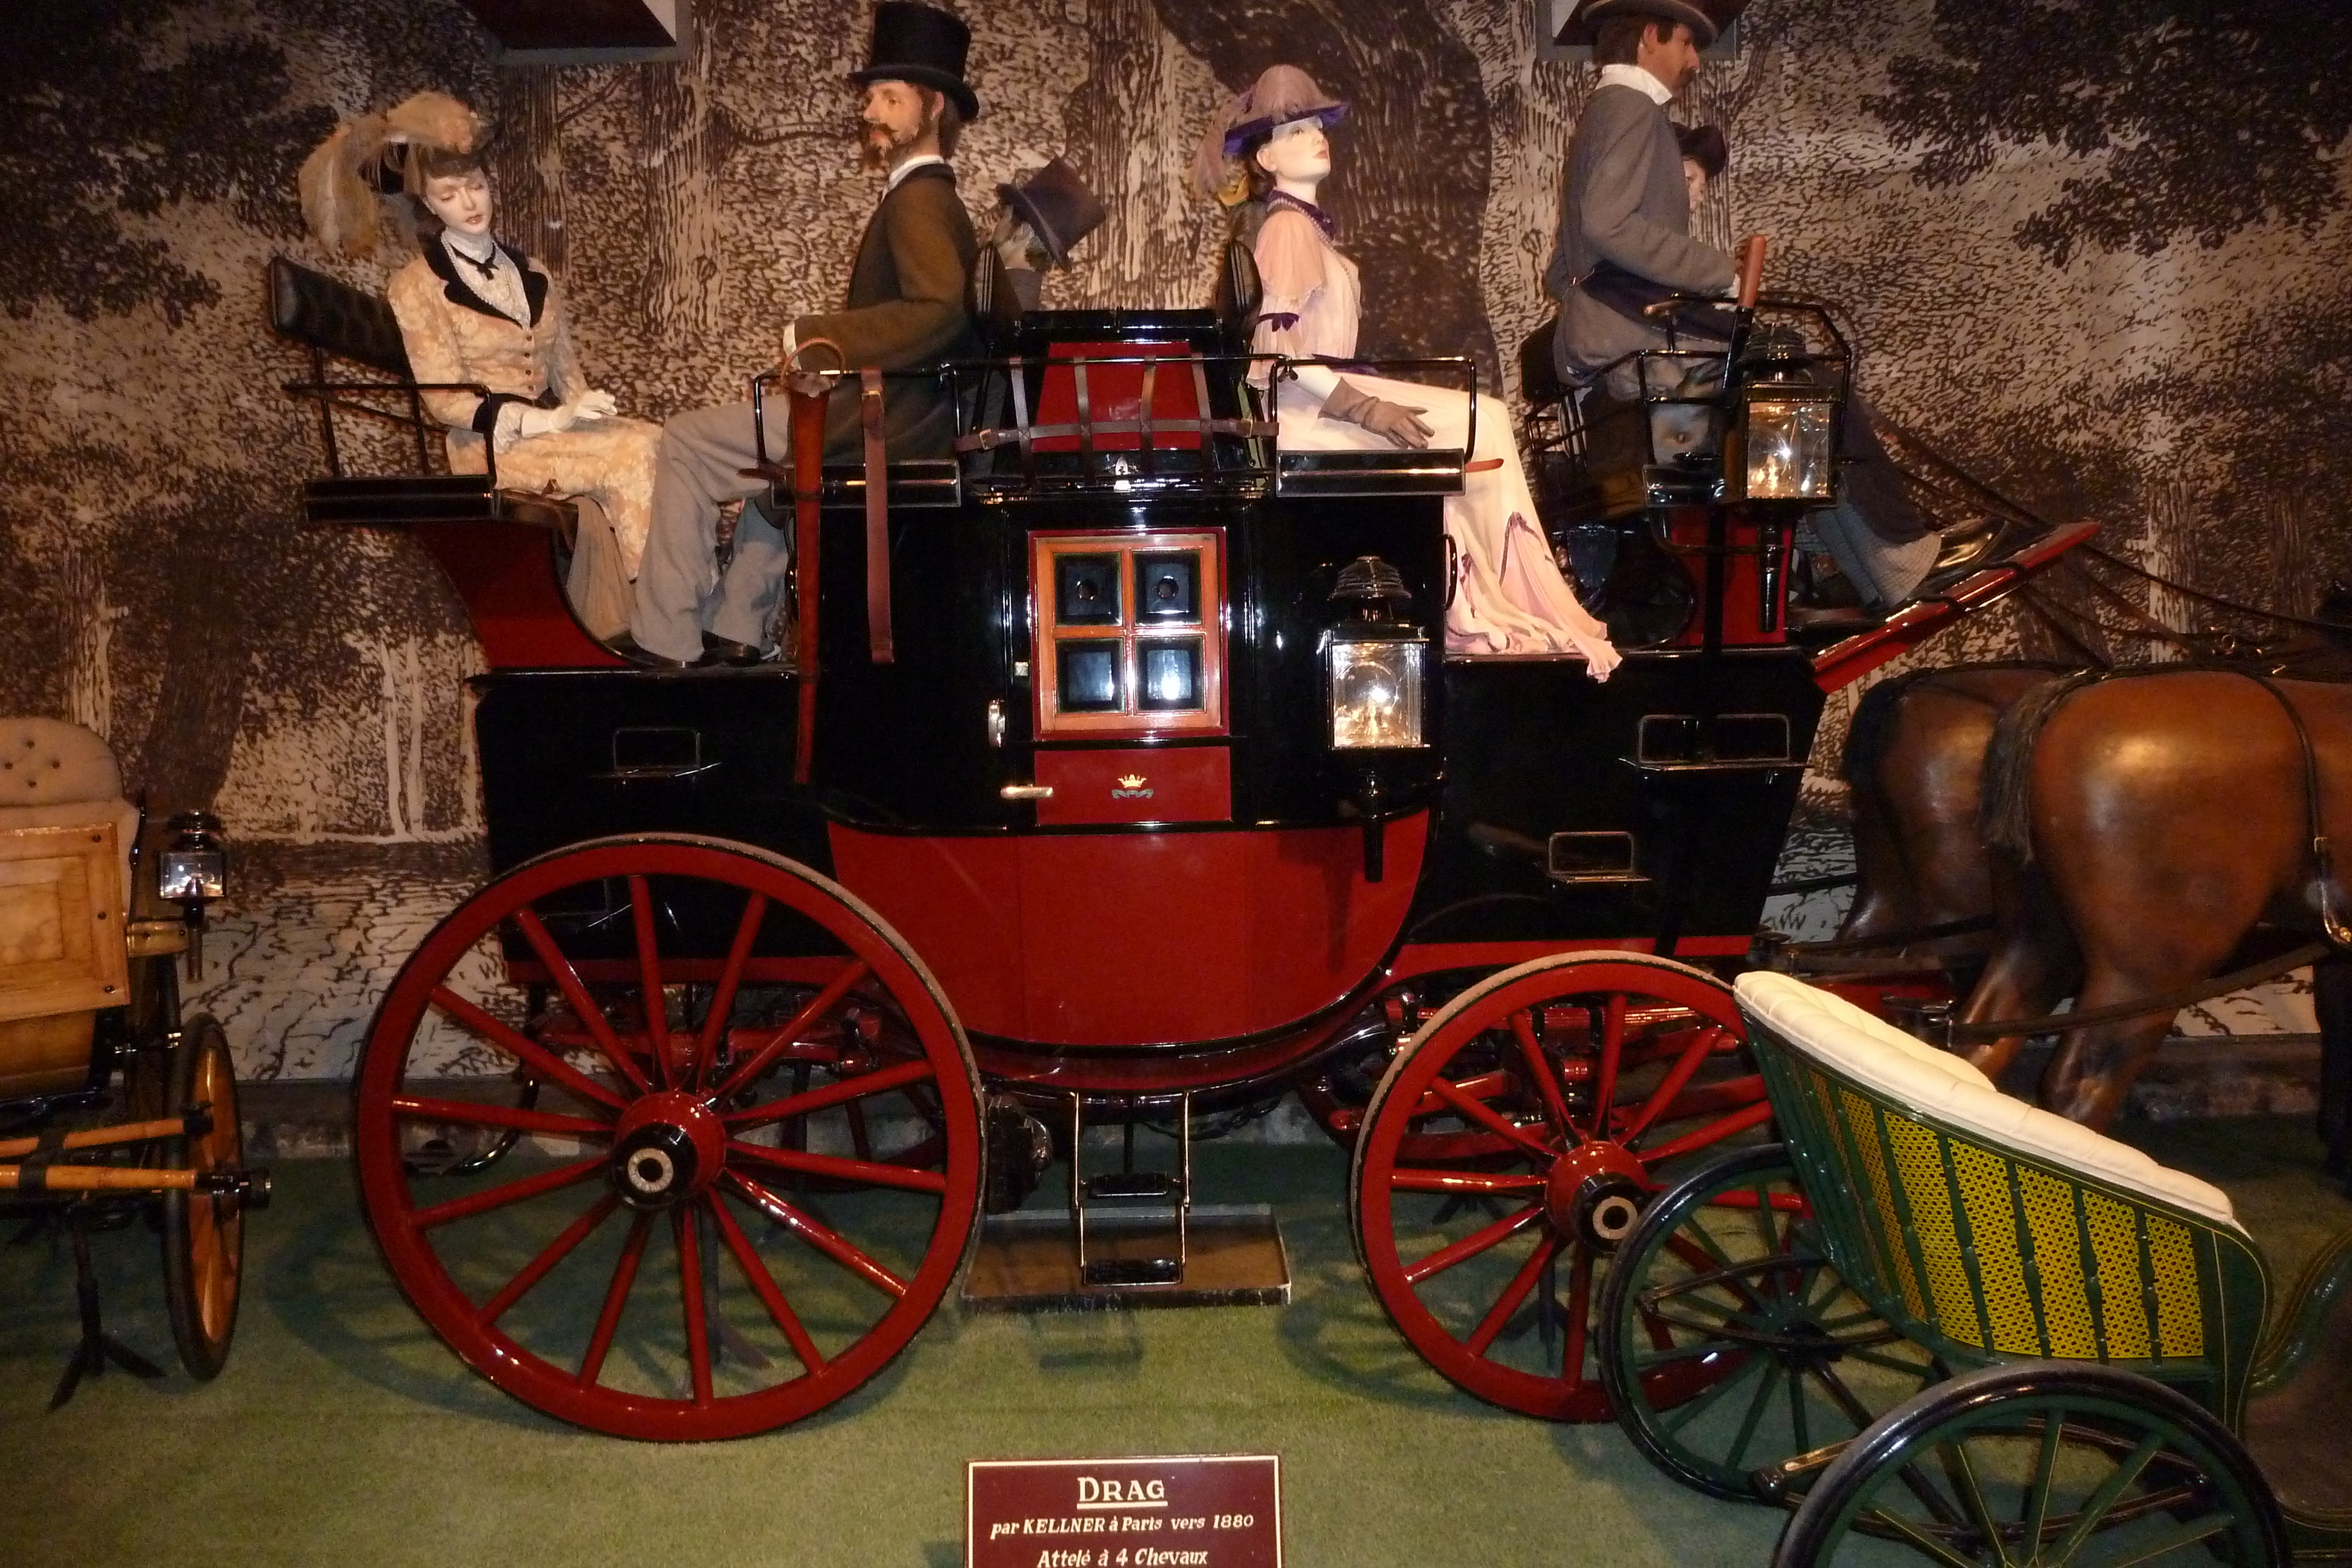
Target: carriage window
<point x="1089" y="672"/>
<point x="1171" y="673"/>
<point x="1168" y="587"/>
<point x="1129" y="634"/>
<point x="1085" y="589"/>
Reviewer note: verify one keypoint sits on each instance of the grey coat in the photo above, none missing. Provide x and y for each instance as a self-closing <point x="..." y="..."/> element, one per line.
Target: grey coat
<point x="1623" y="201"/>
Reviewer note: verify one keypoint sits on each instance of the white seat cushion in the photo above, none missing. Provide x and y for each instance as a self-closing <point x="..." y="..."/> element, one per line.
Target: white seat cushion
<point x="1874" y="1053"/>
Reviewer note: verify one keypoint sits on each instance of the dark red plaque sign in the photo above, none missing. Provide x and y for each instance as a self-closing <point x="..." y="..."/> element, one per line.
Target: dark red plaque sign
<point x="1201" y="1511"/>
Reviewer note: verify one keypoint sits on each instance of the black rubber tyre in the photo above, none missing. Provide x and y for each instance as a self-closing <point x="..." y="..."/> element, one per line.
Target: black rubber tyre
<point x="2041" y="1462"/>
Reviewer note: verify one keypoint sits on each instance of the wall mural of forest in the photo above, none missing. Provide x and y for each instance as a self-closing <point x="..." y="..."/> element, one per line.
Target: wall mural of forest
<point x="2098" y="253"/>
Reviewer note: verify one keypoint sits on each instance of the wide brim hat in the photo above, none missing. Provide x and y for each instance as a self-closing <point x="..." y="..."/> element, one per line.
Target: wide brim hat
<point x="1057" y="204"/>
<point x="1281" y="96"/>
<point x="1707" y="19"/>
<point x="923" y="45"/>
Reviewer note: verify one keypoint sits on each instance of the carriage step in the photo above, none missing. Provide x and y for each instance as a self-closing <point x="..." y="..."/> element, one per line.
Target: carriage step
<point x="1115" y="1273"/>
<point x="1133" y="1186"/>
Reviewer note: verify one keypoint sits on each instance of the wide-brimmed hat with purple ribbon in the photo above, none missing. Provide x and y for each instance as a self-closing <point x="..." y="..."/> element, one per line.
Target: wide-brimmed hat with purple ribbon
<point x="1280" y="95"/>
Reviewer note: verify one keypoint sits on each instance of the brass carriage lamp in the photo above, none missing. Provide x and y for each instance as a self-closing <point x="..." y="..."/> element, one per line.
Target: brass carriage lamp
<point x="1375" y="661"/>
<point x="1784" y="442"/>
<point x="193" y="872"/>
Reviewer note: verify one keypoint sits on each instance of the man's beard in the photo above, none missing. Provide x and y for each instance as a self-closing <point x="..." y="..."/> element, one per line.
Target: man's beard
<point x="879" y="154"/>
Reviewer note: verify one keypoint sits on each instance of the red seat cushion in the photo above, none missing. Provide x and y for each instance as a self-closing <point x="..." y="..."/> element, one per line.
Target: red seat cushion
<point x="1115" y="394"/>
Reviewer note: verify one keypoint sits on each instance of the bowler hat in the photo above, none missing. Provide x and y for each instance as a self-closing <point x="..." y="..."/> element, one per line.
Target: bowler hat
<point x="1705" y="18"/>
<point x="1056" y="204"/>
<point x="923" y="45"/>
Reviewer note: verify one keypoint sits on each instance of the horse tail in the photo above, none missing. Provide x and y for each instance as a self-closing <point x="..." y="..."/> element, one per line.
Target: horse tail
<point x="1873" y="726"/>
<point x="2005" y="810"/>
<point x="1874" y="722"/>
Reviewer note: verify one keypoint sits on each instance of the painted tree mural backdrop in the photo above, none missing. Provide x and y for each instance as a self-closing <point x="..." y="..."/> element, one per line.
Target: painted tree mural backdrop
<point x="2099" y="253"/>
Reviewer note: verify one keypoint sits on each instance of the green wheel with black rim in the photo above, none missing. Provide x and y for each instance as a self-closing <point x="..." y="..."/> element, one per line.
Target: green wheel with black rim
<point x="1727" y="1271"/>
<point x="2041" y="1463"/>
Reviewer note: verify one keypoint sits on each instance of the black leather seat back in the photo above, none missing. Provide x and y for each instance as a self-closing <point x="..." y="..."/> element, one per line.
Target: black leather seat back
<point x="1238" y="293"/>
<point x="322" y="312"/>
<point x="1540" y="380"/>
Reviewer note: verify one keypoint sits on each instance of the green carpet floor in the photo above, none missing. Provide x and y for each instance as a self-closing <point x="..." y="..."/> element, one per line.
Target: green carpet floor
<point x="343" y="1433"/>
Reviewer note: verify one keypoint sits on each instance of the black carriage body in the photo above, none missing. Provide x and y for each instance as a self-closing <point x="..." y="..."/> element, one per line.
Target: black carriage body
<point x="1209" y="893"/>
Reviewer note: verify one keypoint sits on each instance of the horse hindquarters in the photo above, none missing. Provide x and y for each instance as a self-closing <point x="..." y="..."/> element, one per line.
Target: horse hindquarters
<point x="2166" y="814"/>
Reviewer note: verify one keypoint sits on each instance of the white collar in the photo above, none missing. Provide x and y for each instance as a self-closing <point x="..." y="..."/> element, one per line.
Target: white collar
<point x="464" y="244"/>
<point x="898" y="176"/>
<point x="1640" y="80"/>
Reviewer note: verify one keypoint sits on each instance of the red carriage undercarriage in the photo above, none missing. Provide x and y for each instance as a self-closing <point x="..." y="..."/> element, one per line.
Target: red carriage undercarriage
<point x="1162" y="802"/>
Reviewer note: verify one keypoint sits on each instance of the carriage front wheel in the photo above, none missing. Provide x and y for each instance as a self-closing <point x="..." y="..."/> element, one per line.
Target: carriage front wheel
<point x="2043" y="1463"/>
<point x="1568" y="1091"/>
<point x="753" y="1166"/>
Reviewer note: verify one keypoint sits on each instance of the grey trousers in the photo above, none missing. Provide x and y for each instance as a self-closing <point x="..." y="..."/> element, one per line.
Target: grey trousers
<point x="703" y="455"/>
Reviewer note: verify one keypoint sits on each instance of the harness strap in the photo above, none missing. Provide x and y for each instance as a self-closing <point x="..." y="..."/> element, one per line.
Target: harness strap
<point x="877" y="519"/>
<point x="2322" y="857"/>
<point x="1967" y="925"/>
<point x="1143" y="416"/>
<point x="2138" y="1006"/>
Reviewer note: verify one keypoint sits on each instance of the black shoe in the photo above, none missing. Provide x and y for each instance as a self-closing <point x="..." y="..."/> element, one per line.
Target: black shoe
<point x="637" y="653"/>
<point x="718" y="649"/>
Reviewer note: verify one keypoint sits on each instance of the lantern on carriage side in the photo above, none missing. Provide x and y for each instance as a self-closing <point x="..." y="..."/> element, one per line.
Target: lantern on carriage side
<point x="193" y="873"/>
<point x="1783" y="443"/>
<point x="1376" y="662"/>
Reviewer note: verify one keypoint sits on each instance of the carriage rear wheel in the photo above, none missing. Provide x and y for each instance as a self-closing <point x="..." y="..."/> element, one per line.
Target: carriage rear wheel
<point x="1727" y="1272"/>
<point x="1567" y="1088"/>
<point x="754" y="1164"/>
<point x="2042" y="1463"/>
<point x="204" y="1234"/>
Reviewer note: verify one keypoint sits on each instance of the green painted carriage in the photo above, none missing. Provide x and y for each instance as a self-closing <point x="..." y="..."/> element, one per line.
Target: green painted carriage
<point x="1940" y="1323"/>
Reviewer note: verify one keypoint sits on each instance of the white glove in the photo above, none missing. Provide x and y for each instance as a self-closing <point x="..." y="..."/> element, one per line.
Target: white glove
<point x="563" y="416"/>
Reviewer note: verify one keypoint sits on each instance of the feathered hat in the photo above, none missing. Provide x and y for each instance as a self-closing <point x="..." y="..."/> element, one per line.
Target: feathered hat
<point x="373" y="156"/>
<point x="1280" y="95"/>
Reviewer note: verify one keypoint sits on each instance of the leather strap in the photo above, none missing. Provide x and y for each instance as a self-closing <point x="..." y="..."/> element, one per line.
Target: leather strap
<point x="808" y="404"/>
<point x="2322" y="856"/>
<point x="877" y="519"/>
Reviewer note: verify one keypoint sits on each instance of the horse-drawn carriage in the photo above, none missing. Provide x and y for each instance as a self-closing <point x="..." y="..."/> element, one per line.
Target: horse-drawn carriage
<point x="1940" y="1325"/>
<point x="90" y="941"/>
<point x="1119" y="775"/>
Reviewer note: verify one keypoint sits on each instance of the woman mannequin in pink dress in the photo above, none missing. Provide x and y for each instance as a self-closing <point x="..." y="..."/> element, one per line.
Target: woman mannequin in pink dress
<point x="1508" y="596"/>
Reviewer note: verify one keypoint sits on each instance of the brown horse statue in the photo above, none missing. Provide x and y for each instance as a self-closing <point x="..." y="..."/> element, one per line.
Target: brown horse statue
<point x="2148" y="826"/>
<point x="1914" y="758"/>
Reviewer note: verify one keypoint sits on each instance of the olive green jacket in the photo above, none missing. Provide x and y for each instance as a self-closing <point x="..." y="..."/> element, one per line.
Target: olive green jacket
<point x="904" y="310"/>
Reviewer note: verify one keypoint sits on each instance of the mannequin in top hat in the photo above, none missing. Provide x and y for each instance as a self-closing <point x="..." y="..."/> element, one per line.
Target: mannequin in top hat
<point x="1508" y="596"/>
<point x="471" y="309"/>
<point x="904" y="310"/>
<point x="1042" y="220"/>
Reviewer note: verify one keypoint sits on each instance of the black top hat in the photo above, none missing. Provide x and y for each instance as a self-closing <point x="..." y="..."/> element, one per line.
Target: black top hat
<point x="923" y="45"/>
<point x="1706" y="18"/>
<point x="1056" y="203"/>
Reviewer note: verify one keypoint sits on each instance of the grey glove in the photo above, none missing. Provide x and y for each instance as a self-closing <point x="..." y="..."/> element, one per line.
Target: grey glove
<point x="1391" y="422"/>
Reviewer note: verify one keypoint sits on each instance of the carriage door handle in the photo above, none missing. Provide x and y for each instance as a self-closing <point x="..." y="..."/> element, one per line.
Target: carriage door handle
<point x="1027" y="792"/>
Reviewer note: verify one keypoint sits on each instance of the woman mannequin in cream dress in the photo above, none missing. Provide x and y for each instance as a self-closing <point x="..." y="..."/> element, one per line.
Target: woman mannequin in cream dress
<point x="473" y="310"/>
<point x="1508" y="596"/>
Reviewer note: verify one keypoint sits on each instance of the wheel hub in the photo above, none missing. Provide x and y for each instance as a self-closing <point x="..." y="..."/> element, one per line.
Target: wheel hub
<point x="1594" y="1192"/>
<point x="665" y="1148"/>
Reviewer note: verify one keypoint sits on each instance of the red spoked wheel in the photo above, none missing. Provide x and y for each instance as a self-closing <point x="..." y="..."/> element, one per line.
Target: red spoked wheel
<point x="753" y="1166"/>
<point x="1566" y="1089"/>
